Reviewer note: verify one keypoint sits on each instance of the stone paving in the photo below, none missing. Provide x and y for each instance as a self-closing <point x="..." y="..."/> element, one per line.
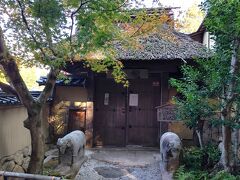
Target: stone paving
<point x="120" y="163"/>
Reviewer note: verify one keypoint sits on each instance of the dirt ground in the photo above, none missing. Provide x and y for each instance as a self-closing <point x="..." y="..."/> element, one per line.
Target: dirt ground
<point x="120" y="163"/>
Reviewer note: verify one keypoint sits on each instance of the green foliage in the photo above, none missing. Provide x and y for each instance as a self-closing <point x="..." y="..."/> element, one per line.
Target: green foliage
<point x="54" y="32"/>
<point x="223" y="20"/>
<point x="197" y="159"/>
<point x="210" y="89"/>
<point x="183" y="174"/>
<point x="201" y="89"/>
<point x="205" y="87"/>
<point x="224" y="175"/>
<point x="213" y="155"/>
<point x="62" y="76"/>
<point x="195" y="90"/>
<point x="192" y="158"/>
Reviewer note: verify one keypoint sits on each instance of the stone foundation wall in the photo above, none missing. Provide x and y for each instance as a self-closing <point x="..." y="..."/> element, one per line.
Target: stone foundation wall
<point x="13" y="135"/>
<point x="17" y="162"/>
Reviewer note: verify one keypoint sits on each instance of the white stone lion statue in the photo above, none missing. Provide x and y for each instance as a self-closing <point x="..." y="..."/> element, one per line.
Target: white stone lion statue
<point x="75" y="140"/>
<point x="170" y="148"/>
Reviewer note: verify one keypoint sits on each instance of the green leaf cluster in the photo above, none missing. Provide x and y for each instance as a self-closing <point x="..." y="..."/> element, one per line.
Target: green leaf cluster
<point x="185" y="174"/>
<point x="53" y="32"/>
<point x="195" y="158"/>
<point x="205" y="87"/>
<point x="195" y="89"/>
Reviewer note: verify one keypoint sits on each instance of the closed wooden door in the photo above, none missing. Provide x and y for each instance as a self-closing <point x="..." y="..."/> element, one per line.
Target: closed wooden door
<point x="109" y="120"/>
<point x="119" y="122"/>
<point x="76" y="120"/>
<point x="142" y="119"/>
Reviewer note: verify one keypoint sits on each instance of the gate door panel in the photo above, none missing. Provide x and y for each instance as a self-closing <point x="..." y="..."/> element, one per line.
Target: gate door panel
<point x="142" y="118"/>
<point x="109" y="121"/>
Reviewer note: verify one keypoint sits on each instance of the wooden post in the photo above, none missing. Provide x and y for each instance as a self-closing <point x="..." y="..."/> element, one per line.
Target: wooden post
<point x="27" y="176"/>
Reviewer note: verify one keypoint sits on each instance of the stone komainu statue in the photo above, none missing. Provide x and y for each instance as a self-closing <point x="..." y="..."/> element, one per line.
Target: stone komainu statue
<point x="71" y="147"/>
<point x="170" y="148"/>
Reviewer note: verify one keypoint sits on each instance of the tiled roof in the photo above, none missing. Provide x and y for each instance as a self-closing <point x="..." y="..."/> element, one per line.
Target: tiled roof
<point x="8" y="99"/>
<point x="71" y="81"/>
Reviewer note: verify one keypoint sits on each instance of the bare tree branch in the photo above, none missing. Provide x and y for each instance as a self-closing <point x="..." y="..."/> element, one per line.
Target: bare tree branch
<point x="8" y="89"/>
<point x="50" y="41"/>
<point x="72" y="17"/>
<point x="138" y="30"/>
<point x="51" y="80"/>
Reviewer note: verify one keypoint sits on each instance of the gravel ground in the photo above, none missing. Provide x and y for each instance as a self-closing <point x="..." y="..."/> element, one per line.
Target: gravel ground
<point x="110" y="168"/>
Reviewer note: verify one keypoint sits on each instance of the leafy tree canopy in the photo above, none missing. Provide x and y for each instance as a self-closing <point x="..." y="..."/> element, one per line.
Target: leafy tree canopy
<point x="216" y="77"/>
<point x="51" y="32"/>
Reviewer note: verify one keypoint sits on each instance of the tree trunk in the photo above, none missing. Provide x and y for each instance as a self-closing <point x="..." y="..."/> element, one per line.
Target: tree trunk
<point x="199" y="138"/>
<point x="198" y="133"/>
<point x="37" y="143"/>
<point x="34" y="107"/>
<point x="226" y="131"/>
<point x="226" y="136"/>
<point x="235" y="136"/>
<point x="227" y="105"/>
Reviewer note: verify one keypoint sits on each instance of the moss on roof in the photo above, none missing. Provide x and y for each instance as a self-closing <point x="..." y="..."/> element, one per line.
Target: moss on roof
<point x="159" y="46"/>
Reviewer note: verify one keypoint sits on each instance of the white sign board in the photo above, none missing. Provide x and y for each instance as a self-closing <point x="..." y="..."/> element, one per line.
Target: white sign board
<point x="133" y="100"/>
<point x="106" y="98"/>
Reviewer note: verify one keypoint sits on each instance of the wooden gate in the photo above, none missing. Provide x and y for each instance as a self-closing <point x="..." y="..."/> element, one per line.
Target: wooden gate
<point x="126" y="116"/>
<point x="142" y="118"/>
<point x="109" y="121"/>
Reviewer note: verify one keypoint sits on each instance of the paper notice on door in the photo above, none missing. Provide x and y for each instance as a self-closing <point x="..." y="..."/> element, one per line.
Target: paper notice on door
<point x="106" y="99"/>
<point x="133" y="99"/>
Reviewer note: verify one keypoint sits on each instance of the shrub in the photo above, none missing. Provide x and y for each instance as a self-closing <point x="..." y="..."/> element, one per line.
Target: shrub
<point x="213" y="154"/>
<point x="183" y="174"/>
<point x="195" y="158"/>
<point x="192" y="158"/>
<point x="197" y="163"/>
<point x="224" y="175"/>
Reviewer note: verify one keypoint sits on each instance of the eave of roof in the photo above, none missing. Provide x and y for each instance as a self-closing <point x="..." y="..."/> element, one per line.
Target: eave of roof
<point x="201" y="29"/>
<point x="8" y="99"/>
<point x="72" y="81"/>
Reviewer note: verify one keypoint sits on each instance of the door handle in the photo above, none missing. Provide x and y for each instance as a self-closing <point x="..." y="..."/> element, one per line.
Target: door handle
<point x="122" y="128"/>
<point x="130" y="126"/>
